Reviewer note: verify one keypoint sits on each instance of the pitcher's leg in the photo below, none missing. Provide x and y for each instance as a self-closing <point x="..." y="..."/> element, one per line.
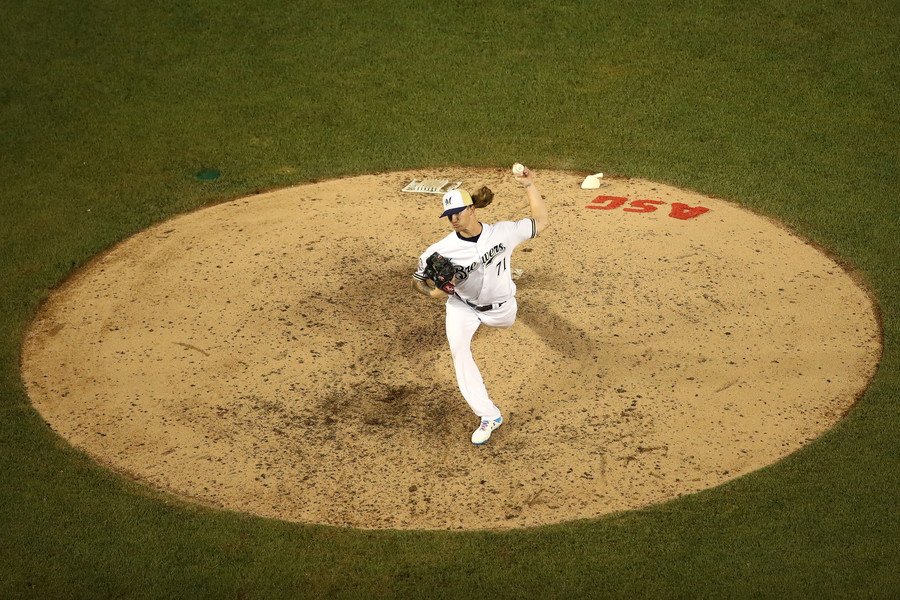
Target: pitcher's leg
<point x="462" y="323"/>
<point x="505" y="316"/>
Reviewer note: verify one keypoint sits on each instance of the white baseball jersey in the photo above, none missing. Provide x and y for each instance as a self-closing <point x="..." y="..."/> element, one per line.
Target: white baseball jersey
<point x="483" y="271"/>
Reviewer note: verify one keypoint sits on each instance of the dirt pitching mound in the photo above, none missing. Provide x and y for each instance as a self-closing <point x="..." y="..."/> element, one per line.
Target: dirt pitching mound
<point x="269" y="355"/>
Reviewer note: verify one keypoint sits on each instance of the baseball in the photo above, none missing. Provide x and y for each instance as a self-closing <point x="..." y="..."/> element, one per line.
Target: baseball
<point x="518" y="169"/>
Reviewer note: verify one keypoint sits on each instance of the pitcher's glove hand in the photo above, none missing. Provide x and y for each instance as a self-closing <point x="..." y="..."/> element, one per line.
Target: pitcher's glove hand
<point x="441" y="272"/>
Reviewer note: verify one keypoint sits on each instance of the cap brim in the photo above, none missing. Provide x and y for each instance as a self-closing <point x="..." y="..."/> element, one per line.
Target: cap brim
<point x="452" y="211"/>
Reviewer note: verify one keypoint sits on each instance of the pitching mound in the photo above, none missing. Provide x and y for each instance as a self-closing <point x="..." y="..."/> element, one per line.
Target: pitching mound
<point x="269" y="355"/>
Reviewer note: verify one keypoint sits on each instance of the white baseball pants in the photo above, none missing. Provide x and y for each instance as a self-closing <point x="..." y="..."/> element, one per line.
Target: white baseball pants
<point x="462" y="323"/>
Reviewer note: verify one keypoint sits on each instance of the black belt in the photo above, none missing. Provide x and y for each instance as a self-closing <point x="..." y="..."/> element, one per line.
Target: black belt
<point x="486" y="307"/>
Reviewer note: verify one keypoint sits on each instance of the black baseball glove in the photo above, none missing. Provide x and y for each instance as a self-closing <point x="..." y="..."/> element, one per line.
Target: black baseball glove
<point x="441" y="272"/>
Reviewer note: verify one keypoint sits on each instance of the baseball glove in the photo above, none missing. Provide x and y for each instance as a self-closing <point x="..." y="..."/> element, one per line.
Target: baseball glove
<point x="441" y="272"/>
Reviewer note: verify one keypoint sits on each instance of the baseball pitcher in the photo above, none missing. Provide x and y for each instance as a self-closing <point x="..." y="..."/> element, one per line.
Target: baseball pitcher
<point x="471" y="270"/>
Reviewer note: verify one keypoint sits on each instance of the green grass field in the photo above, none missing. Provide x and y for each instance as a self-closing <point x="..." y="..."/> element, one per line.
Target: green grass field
<point x="108" y="110"/>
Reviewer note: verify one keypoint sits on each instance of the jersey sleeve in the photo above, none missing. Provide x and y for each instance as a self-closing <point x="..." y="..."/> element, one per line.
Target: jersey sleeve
<point x="523" y="229"/>
<point x="420" y="271"/>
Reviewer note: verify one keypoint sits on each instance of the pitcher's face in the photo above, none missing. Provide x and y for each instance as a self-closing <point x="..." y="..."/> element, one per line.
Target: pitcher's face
<point x="463" y="220"/>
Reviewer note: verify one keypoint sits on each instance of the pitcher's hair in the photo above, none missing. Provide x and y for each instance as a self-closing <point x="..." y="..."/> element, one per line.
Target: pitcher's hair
<point x="482" y="197"/>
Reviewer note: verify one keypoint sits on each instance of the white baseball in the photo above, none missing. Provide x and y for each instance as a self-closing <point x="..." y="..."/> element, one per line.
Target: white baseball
<point x="518" y="169"/>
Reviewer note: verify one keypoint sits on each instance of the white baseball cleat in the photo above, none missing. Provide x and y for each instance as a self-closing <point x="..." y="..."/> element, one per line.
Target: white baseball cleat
<point x="483" y="433"/>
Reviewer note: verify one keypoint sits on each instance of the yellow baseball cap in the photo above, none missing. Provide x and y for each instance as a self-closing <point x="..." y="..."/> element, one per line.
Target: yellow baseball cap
<point x="456" y="201"/>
